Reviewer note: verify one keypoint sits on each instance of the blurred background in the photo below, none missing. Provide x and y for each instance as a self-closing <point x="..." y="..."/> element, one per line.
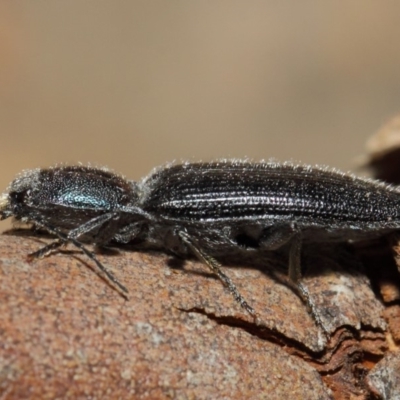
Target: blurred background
<point x="134" y="84"/>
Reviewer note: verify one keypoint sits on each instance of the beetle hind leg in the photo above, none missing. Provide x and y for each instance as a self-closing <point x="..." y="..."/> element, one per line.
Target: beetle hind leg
<point x="295" y="278"/>
<point x="274" y="238"/>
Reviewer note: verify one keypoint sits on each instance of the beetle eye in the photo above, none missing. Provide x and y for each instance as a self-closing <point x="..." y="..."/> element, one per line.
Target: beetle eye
<point x="18" y="197"/>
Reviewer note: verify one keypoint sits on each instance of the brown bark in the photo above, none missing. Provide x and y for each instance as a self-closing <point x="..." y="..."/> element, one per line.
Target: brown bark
<point x="65" y="333"/>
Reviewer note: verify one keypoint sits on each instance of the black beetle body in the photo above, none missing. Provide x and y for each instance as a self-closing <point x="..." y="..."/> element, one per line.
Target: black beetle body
<point x="205" y="209"/>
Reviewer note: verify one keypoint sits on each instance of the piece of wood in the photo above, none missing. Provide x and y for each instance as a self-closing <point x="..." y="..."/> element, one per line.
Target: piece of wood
<point x="65" y="333"/>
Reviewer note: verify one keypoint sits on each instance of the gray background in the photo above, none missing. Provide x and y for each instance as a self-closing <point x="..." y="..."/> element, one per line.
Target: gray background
<point x="132" y="84"/>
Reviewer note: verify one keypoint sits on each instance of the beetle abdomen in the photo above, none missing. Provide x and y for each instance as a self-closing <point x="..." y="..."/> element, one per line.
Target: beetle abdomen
<point x="274" y="192"/>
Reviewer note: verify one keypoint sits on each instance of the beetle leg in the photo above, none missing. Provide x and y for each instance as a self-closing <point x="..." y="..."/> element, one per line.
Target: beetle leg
<point x="64" y="238"/>
<point x="295" y="258"/>
<point x="73" y="234"/>
<point x="215" y="267"/>
<point x="276" y="236"/>
<point x="91" y="225"/>
<point x="47" y="250"/>
<point x="295" y="277"/>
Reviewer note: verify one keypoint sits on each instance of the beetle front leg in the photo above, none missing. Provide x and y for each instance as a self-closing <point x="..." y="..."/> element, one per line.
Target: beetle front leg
<point x="64" y="238"/>
<point x="103" y="235"/>
<point x="46" y="250"/>
<point x="73" y="234"/>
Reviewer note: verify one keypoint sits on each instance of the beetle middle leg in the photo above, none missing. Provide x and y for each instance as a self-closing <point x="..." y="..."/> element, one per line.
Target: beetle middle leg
<point x="215" y="267"/>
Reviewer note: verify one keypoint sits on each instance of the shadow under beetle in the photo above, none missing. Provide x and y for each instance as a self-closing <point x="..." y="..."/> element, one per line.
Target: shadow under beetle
<point x="204" y="209"/>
